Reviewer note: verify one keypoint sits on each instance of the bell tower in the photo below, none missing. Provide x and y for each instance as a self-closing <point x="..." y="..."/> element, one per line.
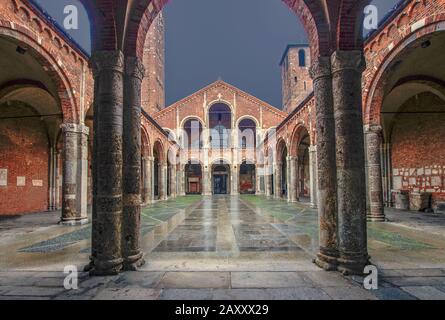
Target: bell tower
<point x="153" y="86"/>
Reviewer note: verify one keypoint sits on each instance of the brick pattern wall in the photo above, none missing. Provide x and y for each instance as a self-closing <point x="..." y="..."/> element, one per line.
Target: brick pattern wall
<point x="24" y="160"/>
<point x="296" y="81"/>
<point x="153" y="86"/>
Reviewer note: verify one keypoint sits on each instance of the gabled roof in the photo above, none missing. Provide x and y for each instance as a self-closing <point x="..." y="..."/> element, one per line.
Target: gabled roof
<point x="221" y="83"/>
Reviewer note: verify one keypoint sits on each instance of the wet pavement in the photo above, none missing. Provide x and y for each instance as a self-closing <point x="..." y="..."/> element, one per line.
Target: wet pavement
<point x="224" y="247"/>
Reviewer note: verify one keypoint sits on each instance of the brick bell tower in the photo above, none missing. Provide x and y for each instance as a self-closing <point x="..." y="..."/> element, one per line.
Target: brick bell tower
<point x="153" y="86"/>
<point x="296" y="80"/>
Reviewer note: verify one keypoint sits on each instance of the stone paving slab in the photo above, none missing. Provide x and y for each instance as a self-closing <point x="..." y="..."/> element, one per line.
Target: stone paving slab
<point x="128" y="294"/>
<point x="425" y="292"/>
<point x="267" y="280"/>
<point x="192" y="280"/>
<point x="348" y="293"/>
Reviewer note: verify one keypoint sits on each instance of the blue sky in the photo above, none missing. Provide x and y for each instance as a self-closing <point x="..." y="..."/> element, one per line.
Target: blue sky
<point x="239" y="41"/>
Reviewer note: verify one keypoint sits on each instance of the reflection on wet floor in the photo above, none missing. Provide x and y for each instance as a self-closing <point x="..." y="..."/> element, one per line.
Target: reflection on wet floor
<point x="251" y="231"/>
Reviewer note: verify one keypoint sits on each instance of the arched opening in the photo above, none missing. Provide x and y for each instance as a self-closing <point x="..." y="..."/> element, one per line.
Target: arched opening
<point x="146" y="170"/>
<point x="303" y="167"/>
<point x="302" y="58"/>
<point x="193" y="178"/>
<point x="31" y="142"/>
<point x="412" y="115"/>
<point x="192" y="138"/>
<point x="220" y="178"/>
<point x="158" y="171"/>
<point x="247" y="134"/>
<point x="220" y="124"/>
<point x="247" y="178"/>
<point x="281" y="173"/>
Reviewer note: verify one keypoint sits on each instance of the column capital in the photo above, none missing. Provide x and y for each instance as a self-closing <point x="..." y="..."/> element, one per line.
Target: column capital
<point x="107" y="60"/>
<point x="134" y="68"/>
<point x="321" y="68"/>
<point x="312" y="148"/>
<point x="75" y="128"/>
<point x="373" y="128"/>
<point x="348" y="60"/>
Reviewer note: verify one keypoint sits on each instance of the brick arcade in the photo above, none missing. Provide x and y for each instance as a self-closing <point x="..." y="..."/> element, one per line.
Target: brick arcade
<point x="92" y="135"/>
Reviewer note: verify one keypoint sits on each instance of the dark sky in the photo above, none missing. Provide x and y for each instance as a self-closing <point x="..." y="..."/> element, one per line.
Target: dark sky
<point x="239" y="41"/>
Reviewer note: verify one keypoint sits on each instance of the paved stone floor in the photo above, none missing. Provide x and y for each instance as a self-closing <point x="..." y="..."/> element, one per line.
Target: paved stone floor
<point x="224" y="247"/>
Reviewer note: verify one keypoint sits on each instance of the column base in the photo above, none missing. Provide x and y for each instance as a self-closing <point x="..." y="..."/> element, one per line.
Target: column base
<point x="327" y="261"/>
<point x="106" y="268"/>
<point x="352" y="265"/>
<point x="376" y="218"/>
<point x="74" y="222"/>
<point x="133" y="263"/>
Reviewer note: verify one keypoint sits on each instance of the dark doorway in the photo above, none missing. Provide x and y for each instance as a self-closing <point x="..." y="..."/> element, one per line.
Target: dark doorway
<point x="220" y="179"/>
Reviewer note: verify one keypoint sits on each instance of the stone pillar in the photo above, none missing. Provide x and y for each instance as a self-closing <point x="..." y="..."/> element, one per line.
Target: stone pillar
<point x="267" y="182"/>
<point x="131" y="222"/>
<point x="313" y="176"/>
<point x="173" y="190"/>
<point x="293" y="178"/>
<point x="181" y="176"/>
<point x="375" y="183"/>
<point x="163" y="182"/>
<point x="206" y="182"/>
<point x="108" y="68"/>
<point x="147" y="174"/>
<point x="234" y="177"/>
<point x="347" y="68"/>
<point x="326" y="164"/>
<point x="75" y="174"/>
<point x="151" y="181"/>
<point x="277" y="184"/>
<point x="258" y="174"/>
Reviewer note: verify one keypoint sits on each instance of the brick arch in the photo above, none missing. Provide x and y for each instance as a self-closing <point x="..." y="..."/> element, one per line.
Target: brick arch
<point x="349" y="26"/>
<point x="103" y="13"/>
<point x="49" y="63"/>
<point x="281" y="146"/>
<point x="311" y="14"/>
<point x="145" y="145"/>
<point x="296" y="138"/>
<point x="158" y="146"/>
<point x="374" y="89"/>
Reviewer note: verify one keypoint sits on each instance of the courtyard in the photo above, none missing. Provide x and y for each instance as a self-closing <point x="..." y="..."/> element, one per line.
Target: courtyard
<point x="224" y="248"/>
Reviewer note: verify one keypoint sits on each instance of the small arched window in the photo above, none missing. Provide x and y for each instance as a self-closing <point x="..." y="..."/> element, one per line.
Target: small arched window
<point x="302" y="58"/>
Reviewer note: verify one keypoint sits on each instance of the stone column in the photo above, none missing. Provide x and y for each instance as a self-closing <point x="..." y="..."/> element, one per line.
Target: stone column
<point x="151" y="181"/>
<point x="313" y="176"/>
<point x="206" y="182"/>
<point x="147" y="174"/>
<point x="267" y="182"/>
<point x="108" y="68"/>
<point x="347" y="68"/>
<point x="131" y="222"/>
<point x="173" y="191"/>
<point x="277" y="184"/>
<point x="234" y="172"/>
<point x="181" y="175"/>
<point x="293" y="178"/>
<point x="375" y="183"/>
<point x="326" y="164"/>
<point x="163" y="182"/>
<point x="258" y="174"/>
<point x="75" y="174"/>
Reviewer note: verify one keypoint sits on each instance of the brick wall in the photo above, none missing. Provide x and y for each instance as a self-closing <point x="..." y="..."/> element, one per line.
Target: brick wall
<point x="24" y="153"/>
